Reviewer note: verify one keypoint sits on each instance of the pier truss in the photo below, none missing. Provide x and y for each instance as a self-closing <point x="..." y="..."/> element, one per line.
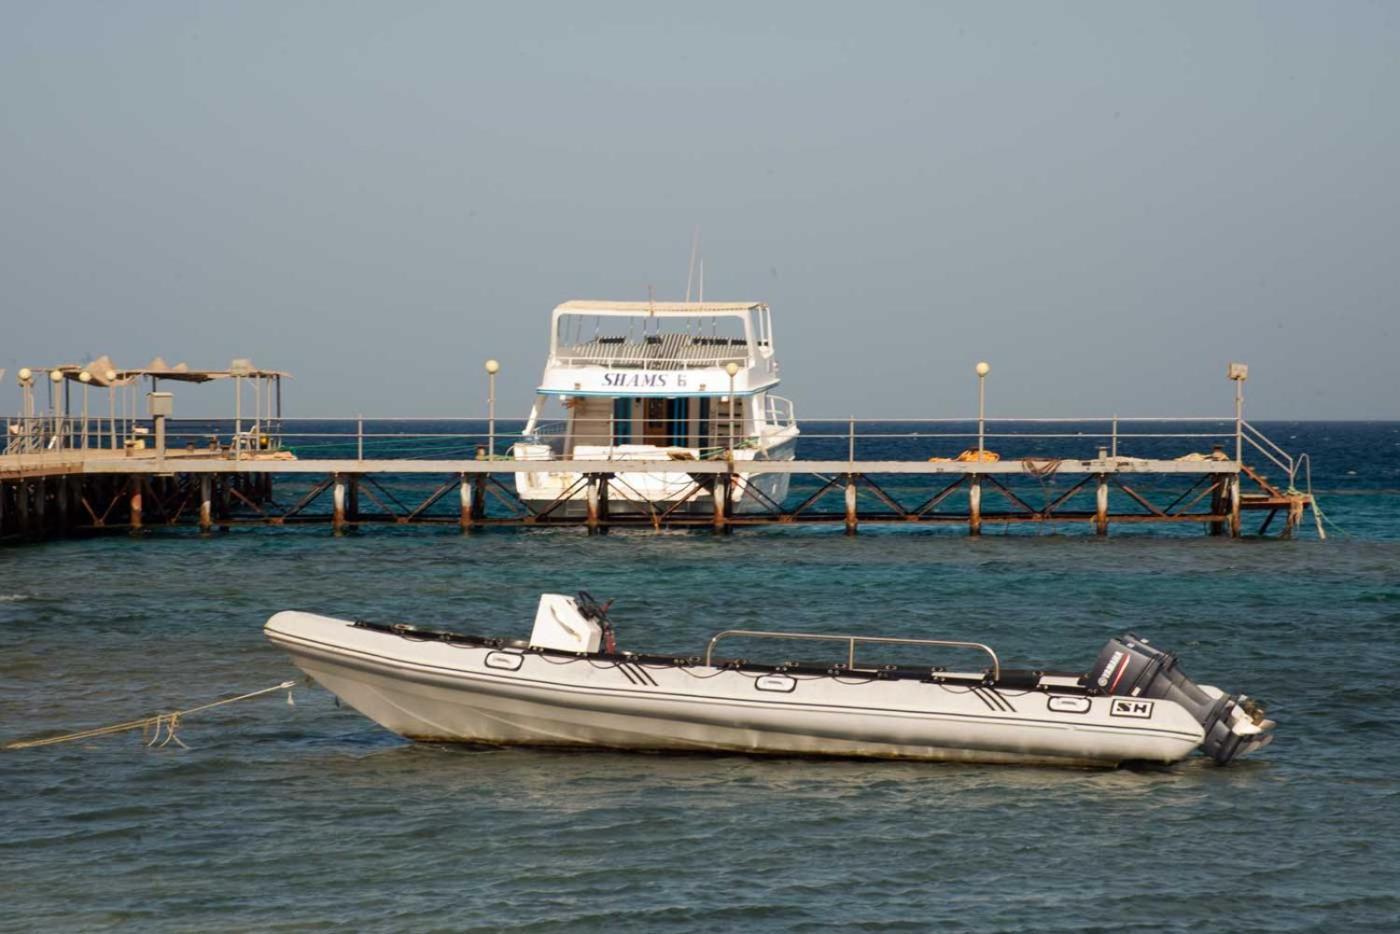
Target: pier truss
<point x="83" y="492"/>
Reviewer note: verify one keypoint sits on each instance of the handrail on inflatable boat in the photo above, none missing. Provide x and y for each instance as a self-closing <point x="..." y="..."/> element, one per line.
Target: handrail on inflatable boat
<point x="850" y="644"/>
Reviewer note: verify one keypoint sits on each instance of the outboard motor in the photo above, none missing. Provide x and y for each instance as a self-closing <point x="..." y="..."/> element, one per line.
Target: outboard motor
<point x="1130" y="667"/>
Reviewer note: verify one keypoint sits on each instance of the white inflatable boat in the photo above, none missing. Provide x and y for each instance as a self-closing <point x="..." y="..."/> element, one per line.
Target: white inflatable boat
<point x="569" y="686"/>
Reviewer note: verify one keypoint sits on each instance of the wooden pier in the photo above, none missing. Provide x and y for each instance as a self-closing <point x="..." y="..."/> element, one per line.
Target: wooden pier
<point x="83" y="492"/>
<point x="74" y="470"/>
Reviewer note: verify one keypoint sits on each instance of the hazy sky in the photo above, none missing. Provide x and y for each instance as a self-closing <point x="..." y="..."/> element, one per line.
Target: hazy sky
<point x="1106" y="201"/>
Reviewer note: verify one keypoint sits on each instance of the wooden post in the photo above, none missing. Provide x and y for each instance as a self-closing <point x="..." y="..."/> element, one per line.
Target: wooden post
<point x="464" y="493"/>
<point x="1235" y="506"/>
<point x="1101" y="506"/>
<point x="352" y="502"/>
<point x="974" y="505"/>
<point x="850" y="504"/>
<point x="206" y="502"/>
<point x="338" y="504"/>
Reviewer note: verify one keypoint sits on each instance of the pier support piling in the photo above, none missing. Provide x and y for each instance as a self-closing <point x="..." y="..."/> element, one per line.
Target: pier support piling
<point x="974" y="505"/>
<point x="206" y="502"/>
<point x="1101" y="506"/>
<point x="1217" y="505"/>
<point x="338" y="504"/>
<point x="1235" y="507"/>
<point x="850" y="504"/>
<point x="134" y="504"/>
<point x="722" y="500"/>
<point x="22" y="512"/>
<point x="464" y="494"/>
<point x="592" y="521"/>
<point x="478" y="499"/>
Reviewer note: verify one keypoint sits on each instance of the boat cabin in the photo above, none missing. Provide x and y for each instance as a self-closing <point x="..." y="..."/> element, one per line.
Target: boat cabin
<point x="694" y="376"/>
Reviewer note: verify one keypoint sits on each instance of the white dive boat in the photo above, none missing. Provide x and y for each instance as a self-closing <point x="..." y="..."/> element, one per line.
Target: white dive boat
<point x="658" y="381"/>
<point x="568" y="685"/>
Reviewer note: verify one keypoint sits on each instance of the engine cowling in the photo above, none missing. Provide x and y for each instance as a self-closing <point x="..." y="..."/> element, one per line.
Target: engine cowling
<point x="1131" y="667"/>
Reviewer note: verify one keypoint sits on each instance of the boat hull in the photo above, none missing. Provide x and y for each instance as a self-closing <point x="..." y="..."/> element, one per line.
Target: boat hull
<point x="639" y="493"/>
<point x="431" y="691"/>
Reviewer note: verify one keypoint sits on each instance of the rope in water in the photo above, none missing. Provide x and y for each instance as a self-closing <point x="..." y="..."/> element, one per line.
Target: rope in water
<point x="166" y="722"/>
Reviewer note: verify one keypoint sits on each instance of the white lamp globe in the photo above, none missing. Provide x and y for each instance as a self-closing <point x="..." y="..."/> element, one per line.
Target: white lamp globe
<point x="984" y="368"/>
<point x="493" y="367"/>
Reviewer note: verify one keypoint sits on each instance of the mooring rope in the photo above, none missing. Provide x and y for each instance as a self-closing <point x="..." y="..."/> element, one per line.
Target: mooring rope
<point x="167" y="722"/>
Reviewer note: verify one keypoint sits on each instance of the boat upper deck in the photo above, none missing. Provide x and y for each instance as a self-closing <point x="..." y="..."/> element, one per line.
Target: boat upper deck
<point x="661" y="335"/>
<point x="659" y="352"/>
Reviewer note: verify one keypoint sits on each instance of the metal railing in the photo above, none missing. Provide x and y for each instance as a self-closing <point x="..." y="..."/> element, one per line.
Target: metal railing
<point x="1270" y="451"/>
<point x="64" y="434"/>
<point x="779" y="412"/>
<point x="851" y="642"/>
<point x="1120" y="438"/>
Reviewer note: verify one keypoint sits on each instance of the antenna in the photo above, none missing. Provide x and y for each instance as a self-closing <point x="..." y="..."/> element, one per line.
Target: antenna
<point x="694" y="251"/>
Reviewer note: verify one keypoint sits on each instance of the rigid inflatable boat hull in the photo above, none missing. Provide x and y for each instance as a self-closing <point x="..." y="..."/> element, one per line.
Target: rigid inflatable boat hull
<point x="434" y="691"/>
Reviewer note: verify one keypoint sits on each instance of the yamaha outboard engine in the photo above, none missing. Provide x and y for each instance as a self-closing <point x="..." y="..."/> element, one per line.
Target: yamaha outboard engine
<point x="1129" y="667"/>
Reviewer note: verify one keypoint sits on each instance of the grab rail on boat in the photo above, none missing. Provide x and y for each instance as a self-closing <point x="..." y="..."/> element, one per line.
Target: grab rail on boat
<point x="850" y="644"/>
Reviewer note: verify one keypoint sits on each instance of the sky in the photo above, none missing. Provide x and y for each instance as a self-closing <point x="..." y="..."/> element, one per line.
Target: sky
<point x="1106" y="201"/>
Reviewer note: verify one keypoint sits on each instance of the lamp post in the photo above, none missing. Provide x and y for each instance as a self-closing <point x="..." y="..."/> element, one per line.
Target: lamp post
<point x="1238" y="373"/>
<point x="110" y="377"/>
<point x="56" y="377"/>
<point x="492" y="368"/>
<point x="983" y="368"/>
<point x="85" y="378"/>
<point x="732" y="369"/>
<point x="26" y="387"/>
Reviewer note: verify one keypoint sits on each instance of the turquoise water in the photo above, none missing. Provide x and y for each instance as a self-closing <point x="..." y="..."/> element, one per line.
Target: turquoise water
<point x="309" y="816"/>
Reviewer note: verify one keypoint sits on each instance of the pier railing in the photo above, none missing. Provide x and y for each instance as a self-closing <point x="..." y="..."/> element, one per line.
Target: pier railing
<point x="849" y="438"/>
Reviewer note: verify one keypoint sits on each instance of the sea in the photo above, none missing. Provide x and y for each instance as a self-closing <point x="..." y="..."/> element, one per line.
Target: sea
<point x="301" y="815"/>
